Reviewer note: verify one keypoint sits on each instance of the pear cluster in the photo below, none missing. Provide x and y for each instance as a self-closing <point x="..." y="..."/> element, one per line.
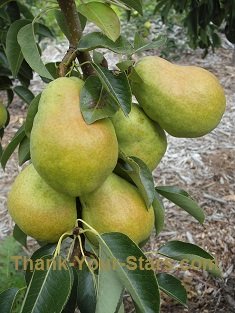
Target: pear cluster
<point x="72" y="159"/>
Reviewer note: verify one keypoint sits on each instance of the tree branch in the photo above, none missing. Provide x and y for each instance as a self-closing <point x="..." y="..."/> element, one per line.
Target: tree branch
<point x="69" y="10"/>
<point x="69" y="57"/>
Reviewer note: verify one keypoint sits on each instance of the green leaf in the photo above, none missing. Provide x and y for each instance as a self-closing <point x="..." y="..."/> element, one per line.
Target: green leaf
<point x="117" y="86"/>
<point x="125" y="65"/>
<point x="98" y="57"/>
<point x="107" y="298"/>
<point x="72" y="302"/>
<point x="25" y="11"/>
<point x="5" y="83"/>
<point x="44" y="251"/>
<point x="44" y="293"/>
<point x="32" y="111"/>
<point x="24" y="151"/>
<point x="96" y="40"/>
<point x="141" y="46"/>
<point x="141" y="283"/>
<point x="62" y="23"/>
<point x="13" y="50"/>
<point x="27" y="42"/>
<point x="10" y="96"/>
<point x="191" y="254"/>
<point x="182" y="199"/>
<point x="141" y="176"/>
<point x="86" y="297"/>
<point x="44" y="31"/>
<point x="83" y="20"/>
<point x="1" y="150"/>
<point x="20" y="236"/>
<point x="103" y="16"/>
<point x="121" y="309"/>
<point x="172" y="287"/>
<point x="25" y="71"/>
<point x="134" y="4"/>
<point x="7" y="299"/>
<point x="95" y="103"/>
<point x="24" y="93"/>
<point x="139" y="41"/>
<point x="4" y="2"/>
<point x="12" y="146"/>
<point x="52" y="68"/>
<point x="159" y="213"/>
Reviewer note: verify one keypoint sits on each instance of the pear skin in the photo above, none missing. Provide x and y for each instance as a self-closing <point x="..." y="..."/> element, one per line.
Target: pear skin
<point x="72" y="157"/>
<point x="186" y="101"/>
<point x="140" y="137"/>
<point x="40" y="211"/>
<point x="3" y="115"/>
<point x="117" y="206"/>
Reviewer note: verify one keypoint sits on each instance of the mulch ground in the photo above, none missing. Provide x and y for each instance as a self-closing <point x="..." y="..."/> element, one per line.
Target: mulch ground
<point x="206" y="168"/>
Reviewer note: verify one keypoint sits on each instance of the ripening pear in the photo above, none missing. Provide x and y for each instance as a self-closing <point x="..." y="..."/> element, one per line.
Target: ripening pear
<point x="186" y="101"/>
<point x="3" y="115"/>
<point x="139" y="136"/>
<point x="117" y="206"/>
<point x="38" y="210"/>
<point x="71" y="156"/>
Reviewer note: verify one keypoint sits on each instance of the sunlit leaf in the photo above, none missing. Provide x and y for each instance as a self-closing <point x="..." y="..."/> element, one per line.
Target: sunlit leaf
<point x="134" y="4"/>
<point x="142" y="45"/>
<point x="103" y="16"/>
<point x="95" y="40"/>
<point x="183" y="200"/>
<point x="191" y="254"/>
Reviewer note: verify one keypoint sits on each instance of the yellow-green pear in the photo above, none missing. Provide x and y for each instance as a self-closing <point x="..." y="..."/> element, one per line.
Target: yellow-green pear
<point x="139" y="136"/>
<point x="71" y="156"/>
<point x="186" y="101"/>
<point x="3" y="115"/>
<point x="40" y="211"/>
<point x="117" y="206"/>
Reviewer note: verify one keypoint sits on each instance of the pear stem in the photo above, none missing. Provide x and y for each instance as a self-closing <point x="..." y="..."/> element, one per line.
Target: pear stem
<point x="69" y="10"/>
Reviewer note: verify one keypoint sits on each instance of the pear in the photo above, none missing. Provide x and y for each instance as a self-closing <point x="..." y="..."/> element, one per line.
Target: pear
<point x="139" y="136"/>
<point x="38" y="210"/>
<point x="117" y="206"/>
<point x="186" y="101"/>
<point x="71" y="156"/>
<point x="3" y="115"/>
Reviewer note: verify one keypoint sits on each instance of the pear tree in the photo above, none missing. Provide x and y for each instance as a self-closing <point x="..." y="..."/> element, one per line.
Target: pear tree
<point x="87" y="148"/>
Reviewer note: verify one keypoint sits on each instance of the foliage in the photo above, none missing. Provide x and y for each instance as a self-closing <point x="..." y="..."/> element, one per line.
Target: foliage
<point x="202" y="20"/>
<point x="150" y="25"/>
<point x="9" y="277"/>
<point x="13" y="66"/>
<point x="88" y="288"/>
